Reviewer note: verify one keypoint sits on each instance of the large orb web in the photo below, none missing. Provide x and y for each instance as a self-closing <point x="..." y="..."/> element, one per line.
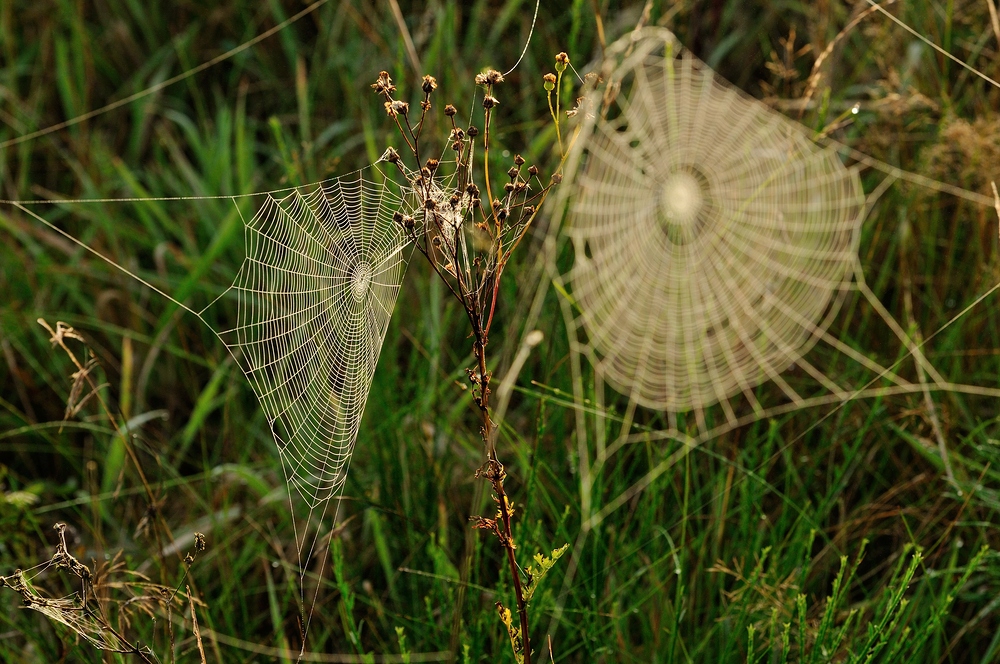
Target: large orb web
<point x="322" y="271"/>
<point x="710" y="233"/>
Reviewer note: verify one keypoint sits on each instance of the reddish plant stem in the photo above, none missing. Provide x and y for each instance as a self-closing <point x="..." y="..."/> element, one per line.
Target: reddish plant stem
<point x="494" y="472"/>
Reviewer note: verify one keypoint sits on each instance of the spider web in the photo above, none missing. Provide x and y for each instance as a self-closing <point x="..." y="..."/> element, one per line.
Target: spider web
<point x="710" y="237"/>
<point x="712" y="242"/>
<point x="322" y="272"/>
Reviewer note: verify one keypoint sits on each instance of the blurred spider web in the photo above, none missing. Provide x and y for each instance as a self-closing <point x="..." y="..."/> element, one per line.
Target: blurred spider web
<point x="706" y="247"/>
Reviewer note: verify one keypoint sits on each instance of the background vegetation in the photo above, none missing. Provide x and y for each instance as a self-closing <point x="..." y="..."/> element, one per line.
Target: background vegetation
<point x="730" y="556"/>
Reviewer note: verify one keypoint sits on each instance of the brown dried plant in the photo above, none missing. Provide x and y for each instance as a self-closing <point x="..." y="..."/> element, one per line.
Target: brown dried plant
<point x="468" y="234"/>
<point x="110" y="596"/>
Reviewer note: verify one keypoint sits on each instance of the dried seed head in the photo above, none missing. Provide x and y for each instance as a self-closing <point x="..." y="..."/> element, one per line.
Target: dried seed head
<point x="497" y="204"/>
<point x="429" y="85"/>
<point x="532" y="170"/>
<point x="432" y="165"/>
<point x="391" y="155"/>
<point x="400" y="107"/>
<point x="456" y="146"/>
<point x="457" y="134"/>
<point x="429" y="204"/>
<point x="475" y="203"/>
<point x="556" y="178"/>
<point x="472" y="189"/>
<point x="199" y="542"/>
<point x="188" y="559"/>
<point x="489" y="101"/>
<point x="518" y="160"/>
<point x="425" y="105"/>
<point x="408" y="223"/>
<point x="509" y="187"/>
<point x="489" y="77"/>
<point x="512" y="173"/>
<point x="383" y="84"/>
<point x="425" y="172"/>
<point x="562" y="60"/>
<point x="529" y="210"/>
<point x="549" y="82"/>
<point x="450" y="110"/>
<point x="502" y="214"/>
<point x="472" y="131"/>
<point x="397" y="216"/>
<point x="454" y="200"/>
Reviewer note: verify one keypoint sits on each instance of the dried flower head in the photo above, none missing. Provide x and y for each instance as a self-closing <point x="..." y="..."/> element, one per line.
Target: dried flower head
<point x="489" y="101"/>
<point x="549" y="82"/>
<point x="532" y="170"/>
<point x="429" y="84"/>
<point x="397" y="107"/>
<point x="450" y="110"/>
<point x="383" y="84"/>
<point x="390" y="155"/>
<point x="581" y="102"/>
<point x="432" y="165"/>
<point x="489" y="77"/>
<point x="472" y="131"/>
<point x="512" y="173"/>
<point x="518" y="160"/>
<point x="562" y="61"/>
<point x="199" y="542"/>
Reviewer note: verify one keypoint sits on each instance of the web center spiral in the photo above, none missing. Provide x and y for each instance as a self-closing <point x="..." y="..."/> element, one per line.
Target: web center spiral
<point x="361" y="279"/>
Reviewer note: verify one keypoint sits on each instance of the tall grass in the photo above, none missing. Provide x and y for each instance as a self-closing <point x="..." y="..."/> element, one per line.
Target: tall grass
<point x="777" y="542"/>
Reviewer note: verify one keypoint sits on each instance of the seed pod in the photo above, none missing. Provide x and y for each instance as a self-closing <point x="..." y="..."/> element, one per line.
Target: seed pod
<point x="549" y="82"/>
<point x="429" y="84"/>
<point x="518" y="160"/>
<point x="532" y="170"/>
<point x="472" y="131"/>
<point x="432" y="165"/>
<point x="562" y="61"/>
<point x="450" y="110"/>
<point x="489" y="101"/>
<point x="512" y="173"/>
